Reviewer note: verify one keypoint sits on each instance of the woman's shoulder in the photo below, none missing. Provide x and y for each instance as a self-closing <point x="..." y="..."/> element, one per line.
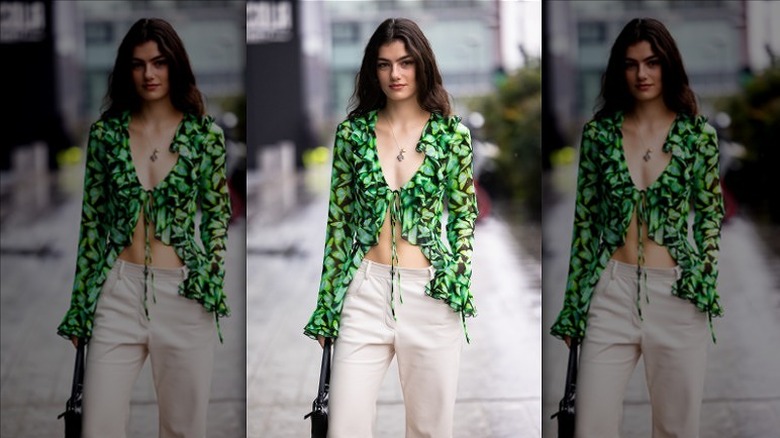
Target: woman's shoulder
<point x="359" y="121"/>
<point x="610" y="122"/>
<point x="201" y="124"/>
<point x="111" y="122"/>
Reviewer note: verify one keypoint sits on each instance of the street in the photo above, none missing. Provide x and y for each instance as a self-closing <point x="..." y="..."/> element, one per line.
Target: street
<point x="499" y="389"/>
<point x="742" y="390"/>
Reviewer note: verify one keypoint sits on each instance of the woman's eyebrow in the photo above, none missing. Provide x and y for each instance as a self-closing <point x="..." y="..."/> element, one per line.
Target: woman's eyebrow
<point x="649" y="58"/>
<point x="403" y="58"/>
<point x="156" y="58"/>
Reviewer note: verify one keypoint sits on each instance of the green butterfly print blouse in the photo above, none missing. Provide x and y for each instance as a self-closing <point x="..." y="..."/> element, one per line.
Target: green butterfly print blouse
<point x="607" y="197"/>
<point x="360" y="198"/>
<point x="114" y="199"/>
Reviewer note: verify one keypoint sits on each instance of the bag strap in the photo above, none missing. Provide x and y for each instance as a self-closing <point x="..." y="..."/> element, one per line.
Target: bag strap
<point x="571" y="370"/>
<point x="324" y="368"/>
<point x="78" y="368"/>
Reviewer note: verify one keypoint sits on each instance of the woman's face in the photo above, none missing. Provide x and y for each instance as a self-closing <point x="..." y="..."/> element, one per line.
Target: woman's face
<point x="150" y="72"/>
<point x="643" y="72"/>
<point x="395" y="69"/>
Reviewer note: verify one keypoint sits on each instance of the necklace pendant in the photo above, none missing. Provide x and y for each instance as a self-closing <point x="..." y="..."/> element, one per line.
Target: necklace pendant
<point x="647" y="155"/>
<point x="400" y="156"/>
<point x="153" y="157"/>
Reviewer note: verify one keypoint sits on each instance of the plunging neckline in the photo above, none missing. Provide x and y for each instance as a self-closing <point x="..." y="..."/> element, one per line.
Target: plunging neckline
<point x="170" y="146"/>
<point x="379" y="161"/>
<point x="624" y="161"/>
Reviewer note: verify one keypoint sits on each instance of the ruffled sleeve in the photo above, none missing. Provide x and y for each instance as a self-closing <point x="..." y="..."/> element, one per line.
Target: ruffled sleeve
<point x="708" y="215"/>
<point x="93" y="235"/>
<point x="215" y="214"/>
<point x="461" y="217"/>
<point x="585" y="240"/>
<point x="339" y="238"/>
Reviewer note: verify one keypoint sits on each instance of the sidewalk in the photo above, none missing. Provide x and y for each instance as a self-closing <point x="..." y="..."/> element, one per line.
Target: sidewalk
<point x="38" y="262"/>
<point x="499" y="390"/>
<point x="742" y="390"/>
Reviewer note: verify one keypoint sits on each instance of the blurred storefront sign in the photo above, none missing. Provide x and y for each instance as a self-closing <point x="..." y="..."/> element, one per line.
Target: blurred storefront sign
<point x="22" y="22"/>
<point x="269" y="21"/>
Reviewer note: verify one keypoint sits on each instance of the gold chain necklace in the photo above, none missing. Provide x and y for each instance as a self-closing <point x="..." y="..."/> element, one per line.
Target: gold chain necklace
<point x="648" y="151"/>
<point x="402" y="151"/>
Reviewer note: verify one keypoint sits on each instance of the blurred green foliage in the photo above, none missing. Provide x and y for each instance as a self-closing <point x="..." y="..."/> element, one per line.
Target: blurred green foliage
<point x="513" y="121"/>
<point x="755" y="123"/>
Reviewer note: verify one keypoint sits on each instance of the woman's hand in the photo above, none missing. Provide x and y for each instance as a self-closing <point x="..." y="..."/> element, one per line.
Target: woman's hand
<point x="75" y="341"/>
<point x="567" y="340"/>
<point x="321" y="340"/>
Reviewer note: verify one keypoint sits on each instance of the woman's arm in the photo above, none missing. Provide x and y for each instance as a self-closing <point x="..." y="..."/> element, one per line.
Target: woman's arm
<point x="462" y="212"/>
<point x="215" y="214"/>
<point x="338" y="239"/>
<point x="93" y="234"/>
<point x="585" y="239"/>
<point x="709" y="212"/>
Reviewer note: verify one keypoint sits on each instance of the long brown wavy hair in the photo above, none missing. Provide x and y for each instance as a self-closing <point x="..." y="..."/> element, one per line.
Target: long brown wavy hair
<point x="368" y="95"/>
<point x="615" y="95"/>
<point x="184" y="94"/>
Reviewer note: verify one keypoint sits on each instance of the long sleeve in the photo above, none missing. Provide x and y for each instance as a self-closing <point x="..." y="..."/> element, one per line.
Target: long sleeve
<point x="215" y="214"/>
<point x="708" y="215"/>
<point x="338" y="240"/>
<point x="585" y="240"/>
<point x="93" y="234"/>
<point x="462" y="215"/>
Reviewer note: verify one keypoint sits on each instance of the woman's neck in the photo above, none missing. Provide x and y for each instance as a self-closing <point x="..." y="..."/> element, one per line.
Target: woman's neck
<point x="158" y="113"/>
<point x="651" y="113"/>
<point x="407" y="112"/>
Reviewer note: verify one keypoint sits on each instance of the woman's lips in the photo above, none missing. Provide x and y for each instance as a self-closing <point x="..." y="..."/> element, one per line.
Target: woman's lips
<point x="151" y="86"/>
<point x="396" y="86"/>
<point x="643" y="87"/>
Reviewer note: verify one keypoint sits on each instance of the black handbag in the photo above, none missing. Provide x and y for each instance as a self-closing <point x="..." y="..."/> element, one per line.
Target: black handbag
<point x="319" y="407"/>
<point x="73" y="411"/>
<point x="566" y="412"/>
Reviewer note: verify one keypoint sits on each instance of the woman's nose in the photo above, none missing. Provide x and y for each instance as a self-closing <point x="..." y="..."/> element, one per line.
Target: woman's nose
<point x="641" y="72"/>
<point x="395" y="72"/>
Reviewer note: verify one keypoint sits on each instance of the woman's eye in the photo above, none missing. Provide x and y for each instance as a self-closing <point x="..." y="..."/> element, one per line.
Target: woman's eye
<point x="653" y="63"/>
<point x="382" y="65"/>
<point x="160" y="63"/>
<point x="407" y="63"/>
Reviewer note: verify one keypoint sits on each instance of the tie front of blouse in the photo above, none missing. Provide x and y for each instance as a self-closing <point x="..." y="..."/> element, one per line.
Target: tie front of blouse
<point x="114" y="199"/>
<point x="360" y="200"/>
<point x="607" y="199"/>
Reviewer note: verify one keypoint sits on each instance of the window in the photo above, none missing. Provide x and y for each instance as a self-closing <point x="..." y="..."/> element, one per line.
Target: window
<point x="591" y="32"/>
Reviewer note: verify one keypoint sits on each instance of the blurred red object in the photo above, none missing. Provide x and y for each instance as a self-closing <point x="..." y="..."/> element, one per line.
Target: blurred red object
<point x="483" y="202"/>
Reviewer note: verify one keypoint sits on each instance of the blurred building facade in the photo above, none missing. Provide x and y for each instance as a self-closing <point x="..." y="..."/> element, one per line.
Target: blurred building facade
<point x="212" y="31"/>
<point x="84" y="37"/>
<point x="712" y="36"/>
<point x="464" y="35"/>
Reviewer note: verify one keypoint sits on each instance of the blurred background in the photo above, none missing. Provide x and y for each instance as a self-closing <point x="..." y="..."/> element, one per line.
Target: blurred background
<point x="62" y="53"/>
<point x="731" y="53"/>
<point x="302" y="58"/>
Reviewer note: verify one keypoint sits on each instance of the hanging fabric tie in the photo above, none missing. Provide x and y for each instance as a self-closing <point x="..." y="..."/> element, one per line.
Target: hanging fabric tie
<point x="641" y="274"/>
<point x="395" y="218"/>
<point x="146" y="213"/>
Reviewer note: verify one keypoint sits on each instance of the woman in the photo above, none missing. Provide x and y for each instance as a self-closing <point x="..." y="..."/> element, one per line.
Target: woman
<point x="635" y="282"/>
<point x="390" y="285"/>
<point x="143" y="285"/>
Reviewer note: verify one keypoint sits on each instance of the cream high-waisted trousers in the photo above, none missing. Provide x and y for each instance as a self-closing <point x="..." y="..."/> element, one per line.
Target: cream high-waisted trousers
<point x="179" y="337"/>
<point x="426" y="337"/>
<point x="672" y="336"/>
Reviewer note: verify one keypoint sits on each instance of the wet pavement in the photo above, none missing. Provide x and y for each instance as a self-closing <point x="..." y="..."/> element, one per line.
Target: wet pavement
<point x="37" y="264"/>
<point x="499" y="389"/>
<point x="742" y="388"/>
